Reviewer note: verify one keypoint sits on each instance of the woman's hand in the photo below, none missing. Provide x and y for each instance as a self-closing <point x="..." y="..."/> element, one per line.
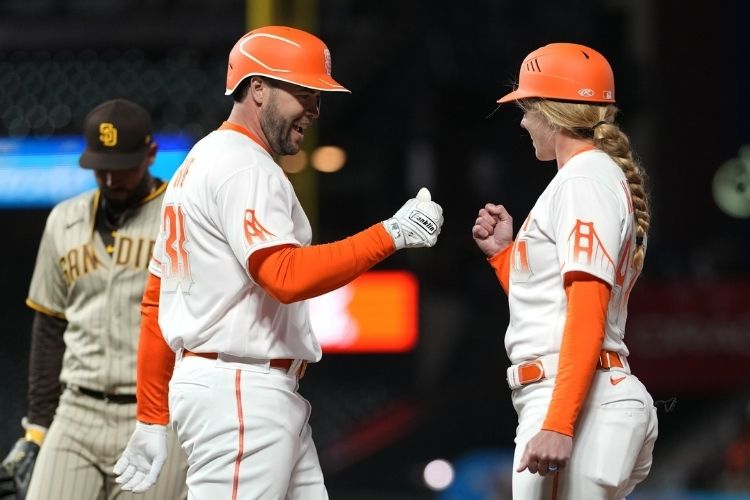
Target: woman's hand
<point x="493" y="229"/>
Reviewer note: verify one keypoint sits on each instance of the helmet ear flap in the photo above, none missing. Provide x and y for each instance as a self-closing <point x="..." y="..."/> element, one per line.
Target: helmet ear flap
<point x="565" y="71"/>
<point x="282" y="53"/>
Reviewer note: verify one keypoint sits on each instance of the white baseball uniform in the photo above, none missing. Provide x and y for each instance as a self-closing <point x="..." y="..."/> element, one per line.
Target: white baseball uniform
<point x="228" y="200"/>
<point x="583" y="221"/>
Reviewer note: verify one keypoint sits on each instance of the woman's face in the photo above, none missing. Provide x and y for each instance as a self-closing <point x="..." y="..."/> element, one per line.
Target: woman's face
<point x="542" y="134"/>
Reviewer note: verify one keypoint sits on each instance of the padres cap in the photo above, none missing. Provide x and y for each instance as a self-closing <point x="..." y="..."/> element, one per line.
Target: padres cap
<point x="118" y="136"/>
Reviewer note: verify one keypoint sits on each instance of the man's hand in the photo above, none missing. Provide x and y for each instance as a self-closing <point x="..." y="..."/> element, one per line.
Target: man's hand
<point x="417" y="223"/>
<point x="140" y="464"/>
<point x="493" y="229"/>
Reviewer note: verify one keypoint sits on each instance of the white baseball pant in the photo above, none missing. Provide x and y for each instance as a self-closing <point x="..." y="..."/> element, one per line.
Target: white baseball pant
<point x="612" y="446"/>
<point x="244" y="428"/>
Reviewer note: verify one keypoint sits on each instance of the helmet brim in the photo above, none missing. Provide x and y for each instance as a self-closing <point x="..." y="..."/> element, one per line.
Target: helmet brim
<point x="516" y="95"/>
<point x="323" y="83"/>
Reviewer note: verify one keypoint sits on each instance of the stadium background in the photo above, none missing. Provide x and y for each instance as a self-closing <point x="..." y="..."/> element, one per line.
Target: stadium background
<point x="425" y="76"/>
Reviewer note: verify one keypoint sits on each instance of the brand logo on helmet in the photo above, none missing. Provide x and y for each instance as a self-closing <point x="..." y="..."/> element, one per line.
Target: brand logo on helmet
<point x="607" y="94"/>
<point x="586" y="93"/>
<point x="327" y="57"/>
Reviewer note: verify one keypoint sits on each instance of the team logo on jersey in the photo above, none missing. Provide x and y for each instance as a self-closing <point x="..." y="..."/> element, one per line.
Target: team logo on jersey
<point x="521" y="270"/>
<point x="254" y="229"/>
<point x="78" y="262"/>
<point x="108" y="134"/>
<point x="134" y="252"/>
<point x="585" y="247"/>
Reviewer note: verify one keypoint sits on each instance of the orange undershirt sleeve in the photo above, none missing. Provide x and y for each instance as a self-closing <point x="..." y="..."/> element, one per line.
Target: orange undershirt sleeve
<point x="500" y="262"/>
<point x="588" y="300"/>
<point x="290" y="273"/>
<point x="155" y="361"/>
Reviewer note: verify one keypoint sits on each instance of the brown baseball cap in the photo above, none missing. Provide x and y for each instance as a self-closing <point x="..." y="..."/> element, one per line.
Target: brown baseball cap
<point x="118" y="136"/>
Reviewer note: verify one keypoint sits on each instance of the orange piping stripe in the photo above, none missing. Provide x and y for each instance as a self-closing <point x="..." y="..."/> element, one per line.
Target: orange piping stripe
<point x="241" y="437"/>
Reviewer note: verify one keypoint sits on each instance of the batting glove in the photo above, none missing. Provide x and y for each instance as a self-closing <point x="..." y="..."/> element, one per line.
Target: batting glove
<point x="417" y="223"/>
<point x="140" y="464"/>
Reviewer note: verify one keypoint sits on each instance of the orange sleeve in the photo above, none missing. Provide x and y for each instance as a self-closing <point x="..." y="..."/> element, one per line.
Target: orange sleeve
<point x="588" y="299"/>
<point x="289" y="273"/>
<point x="500" y="262"/>
<point x="155" y="361"/>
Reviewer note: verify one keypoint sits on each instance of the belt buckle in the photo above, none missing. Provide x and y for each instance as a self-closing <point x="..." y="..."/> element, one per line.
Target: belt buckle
<point x="606" y="361"/>
<point x="523" y="370"/>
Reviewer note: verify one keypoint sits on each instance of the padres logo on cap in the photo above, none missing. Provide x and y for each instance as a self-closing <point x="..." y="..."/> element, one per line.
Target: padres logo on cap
<point x="108" y="134"/>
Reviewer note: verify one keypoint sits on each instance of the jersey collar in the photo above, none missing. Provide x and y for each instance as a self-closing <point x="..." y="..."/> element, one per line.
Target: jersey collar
<point x="244" y="131"/>
<point x="587" y="147"/>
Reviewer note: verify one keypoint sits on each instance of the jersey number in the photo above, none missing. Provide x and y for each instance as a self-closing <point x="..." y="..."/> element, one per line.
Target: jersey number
<point x="176" y="268"/>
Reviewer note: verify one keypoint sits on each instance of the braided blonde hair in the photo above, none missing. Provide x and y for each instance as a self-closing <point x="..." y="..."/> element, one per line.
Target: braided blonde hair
<point x="591" y="121"/>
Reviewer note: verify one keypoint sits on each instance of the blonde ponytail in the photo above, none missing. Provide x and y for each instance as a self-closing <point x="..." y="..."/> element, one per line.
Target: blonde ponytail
<point x="596" y="122"/>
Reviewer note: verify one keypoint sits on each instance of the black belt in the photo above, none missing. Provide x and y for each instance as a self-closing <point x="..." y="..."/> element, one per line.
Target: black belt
<point x="119" y="399"/>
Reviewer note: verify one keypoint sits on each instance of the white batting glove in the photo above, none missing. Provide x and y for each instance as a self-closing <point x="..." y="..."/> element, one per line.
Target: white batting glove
<point x="140" y="464"/>
<point x="417" y="223"/>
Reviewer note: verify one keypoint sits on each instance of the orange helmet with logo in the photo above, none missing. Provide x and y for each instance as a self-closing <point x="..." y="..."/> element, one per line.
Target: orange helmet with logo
<point x="282" y="53"/>
<point x="565" y="71"/>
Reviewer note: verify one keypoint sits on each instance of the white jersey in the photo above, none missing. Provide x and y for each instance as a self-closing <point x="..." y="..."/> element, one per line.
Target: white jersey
<point x="583" y="221"/>
<point x="227" y="200"/>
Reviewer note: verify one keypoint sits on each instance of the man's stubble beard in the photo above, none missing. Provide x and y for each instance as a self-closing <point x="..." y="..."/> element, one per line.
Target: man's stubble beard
<point x="276" y="129"/>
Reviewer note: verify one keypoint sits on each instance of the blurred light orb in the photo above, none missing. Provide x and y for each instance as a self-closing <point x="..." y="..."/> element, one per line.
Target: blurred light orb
<point x="295" y="163"/>
<point x="438" y="475"/>
<point x="731" y="185"/>
<point x="328" y="159"/>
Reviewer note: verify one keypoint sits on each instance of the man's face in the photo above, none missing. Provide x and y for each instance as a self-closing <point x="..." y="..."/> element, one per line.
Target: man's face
<point x="122" y="188"/>
<point x="289" y="110"/>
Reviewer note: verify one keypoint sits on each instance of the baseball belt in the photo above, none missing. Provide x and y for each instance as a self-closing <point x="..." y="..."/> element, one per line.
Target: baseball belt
<point x="290" y="366"/>
<point x="546" y="367"/>
<point x="118" y="399"/>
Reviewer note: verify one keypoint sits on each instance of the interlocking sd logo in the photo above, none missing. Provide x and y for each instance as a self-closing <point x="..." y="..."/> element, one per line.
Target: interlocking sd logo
<point x="108" y="134"/>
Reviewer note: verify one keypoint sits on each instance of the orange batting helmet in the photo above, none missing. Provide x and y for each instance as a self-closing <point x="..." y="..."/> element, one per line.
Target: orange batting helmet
<point x="565" y="71"/>
<point x="282" y="53"/>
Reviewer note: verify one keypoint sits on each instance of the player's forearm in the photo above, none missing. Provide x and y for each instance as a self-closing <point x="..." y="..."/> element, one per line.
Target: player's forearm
<point x="588" y="300"/>
<point x="500" y="262"/>
<point x="45" y="364"/>
<point x="155" y="361"/>
<point x="290" y="274"/>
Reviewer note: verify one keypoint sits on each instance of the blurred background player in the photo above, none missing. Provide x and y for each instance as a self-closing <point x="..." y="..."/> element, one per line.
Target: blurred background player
<point x="86" y="292"/>
<point x="231" y="270"/>
<point x="583" y="418"/>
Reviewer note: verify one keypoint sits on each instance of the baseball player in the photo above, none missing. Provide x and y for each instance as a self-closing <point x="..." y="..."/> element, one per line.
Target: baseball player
<point x="86" y="292"/>
<point x="586" y="425"/>
<point x="231" y="270"/>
